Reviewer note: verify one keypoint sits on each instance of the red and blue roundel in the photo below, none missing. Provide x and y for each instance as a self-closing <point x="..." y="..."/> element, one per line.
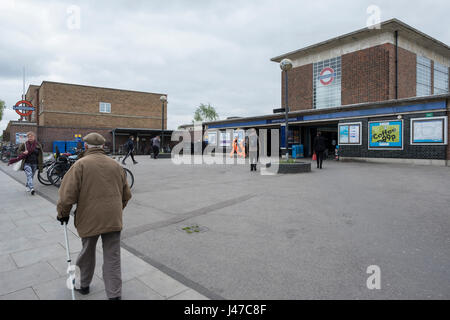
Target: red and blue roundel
<point x="327" y="76"/>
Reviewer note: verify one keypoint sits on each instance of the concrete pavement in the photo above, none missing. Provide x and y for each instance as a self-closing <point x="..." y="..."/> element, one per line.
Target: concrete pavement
<point x="33" y="256"/>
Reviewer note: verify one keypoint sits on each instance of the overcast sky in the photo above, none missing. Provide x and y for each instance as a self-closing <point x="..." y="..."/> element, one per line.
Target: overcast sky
<point x="195" y="51"/>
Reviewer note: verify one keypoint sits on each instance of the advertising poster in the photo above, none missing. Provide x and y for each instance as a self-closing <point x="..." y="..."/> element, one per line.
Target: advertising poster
<point x="240" y="134"/>
<point x="225" y="139"/>
<point x="343" y="134"/>
<point x="212" y="138"/>
<point x="21" y="137"/>
<point x="386" y="134"/>
<point x="354" y="134"/>
<point x="428" y="131"/>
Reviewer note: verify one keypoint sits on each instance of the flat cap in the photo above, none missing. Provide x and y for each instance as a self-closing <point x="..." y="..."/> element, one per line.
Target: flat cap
<point x="94" y="139"/>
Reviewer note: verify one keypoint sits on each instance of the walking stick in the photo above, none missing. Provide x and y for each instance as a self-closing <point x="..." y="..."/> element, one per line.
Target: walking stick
<point x="70" y="269"/>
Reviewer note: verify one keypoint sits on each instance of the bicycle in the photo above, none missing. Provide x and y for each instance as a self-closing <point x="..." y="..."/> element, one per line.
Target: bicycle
<point x="128" y="173"/>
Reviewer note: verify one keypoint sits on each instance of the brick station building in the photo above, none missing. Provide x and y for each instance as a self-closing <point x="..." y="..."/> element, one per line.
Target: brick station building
<point x="380" y="94"/>
<point x="64" y="110"/>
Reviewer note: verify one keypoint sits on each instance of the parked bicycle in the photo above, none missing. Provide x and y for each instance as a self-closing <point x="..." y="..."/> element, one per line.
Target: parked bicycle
<point x="57" y="170"/>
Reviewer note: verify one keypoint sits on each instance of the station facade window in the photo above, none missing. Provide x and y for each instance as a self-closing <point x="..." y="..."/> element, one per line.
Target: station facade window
<point x="327" y="83"/>
<point x="423" y="76"/>
<point x="440" y="78"/>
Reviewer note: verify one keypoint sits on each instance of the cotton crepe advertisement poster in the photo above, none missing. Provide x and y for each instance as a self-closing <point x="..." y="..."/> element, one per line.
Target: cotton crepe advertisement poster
<point x="386" y="134"/>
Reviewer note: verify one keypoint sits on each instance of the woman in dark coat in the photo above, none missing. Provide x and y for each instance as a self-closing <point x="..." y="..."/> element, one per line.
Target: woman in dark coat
<point x="31" y="155"/>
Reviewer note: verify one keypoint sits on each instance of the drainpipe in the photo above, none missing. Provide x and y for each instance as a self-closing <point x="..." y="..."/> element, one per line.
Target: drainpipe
<point x="396" y="64"/>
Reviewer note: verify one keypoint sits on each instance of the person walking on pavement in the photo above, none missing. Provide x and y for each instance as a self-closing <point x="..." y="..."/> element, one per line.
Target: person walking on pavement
<point x="156" y="144"/>
<point x="319" y="148"/>
<point x="130" y="147"/>
<point x="31" y="155"/>
<point x="253" y="149"/>
<point x="98" y="186"/>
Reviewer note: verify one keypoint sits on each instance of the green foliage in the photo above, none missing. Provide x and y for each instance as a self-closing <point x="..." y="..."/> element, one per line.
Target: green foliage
<point x="2" y="107"/>
<point x="205" y="113"/>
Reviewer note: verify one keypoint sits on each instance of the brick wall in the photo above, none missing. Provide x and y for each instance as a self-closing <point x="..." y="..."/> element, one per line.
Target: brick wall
<point x="20" y="128"/>
<point x="365" y="75"/>
<point x="438" y="152"/>
<point x="300" y="88"/>
<point x="81" y="104"/>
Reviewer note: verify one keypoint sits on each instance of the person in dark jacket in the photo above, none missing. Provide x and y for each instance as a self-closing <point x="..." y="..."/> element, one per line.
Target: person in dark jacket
<point x="130" y="146"/>
<point x="31" y="155"/>
<point x="319" y="148"/>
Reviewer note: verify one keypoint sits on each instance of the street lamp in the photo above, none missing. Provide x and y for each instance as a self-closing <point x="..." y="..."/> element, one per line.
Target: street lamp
<point x="163" y="99"/>
<point x="286" y="65"/>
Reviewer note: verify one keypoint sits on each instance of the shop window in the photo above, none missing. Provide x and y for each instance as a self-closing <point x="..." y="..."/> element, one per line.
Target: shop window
<point x="105" y="107"/>
<point x="327" y="83"/>
<point x="423" y="76"/>
<point x="440" y="78"/>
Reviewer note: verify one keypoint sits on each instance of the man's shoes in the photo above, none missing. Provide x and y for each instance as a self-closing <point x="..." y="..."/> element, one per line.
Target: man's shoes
<point x="83" y="291"/>
<point x="123" y="162"/>
<point x="28" y="189"/>
<point x="32" y="192"/>
<point x="135" y="162"/>
<point x="116" y="298"/>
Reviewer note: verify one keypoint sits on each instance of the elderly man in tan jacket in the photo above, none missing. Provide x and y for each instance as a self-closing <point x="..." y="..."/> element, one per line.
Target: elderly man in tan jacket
<point x="98" y="186"/>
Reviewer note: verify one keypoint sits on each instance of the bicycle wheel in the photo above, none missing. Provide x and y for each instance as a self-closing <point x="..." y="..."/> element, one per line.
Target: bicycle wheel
<point x="43" y="176"/>
<point x="54" y="176"/>
<point x="130" y="177"/>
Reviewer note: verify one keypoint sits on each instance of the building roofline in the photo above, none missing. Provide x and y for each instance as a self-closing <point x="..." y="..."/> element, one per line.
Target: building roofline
<point x="96" y="87"/>
<point x="393" y="24"/>
<point x="340" y="108"/>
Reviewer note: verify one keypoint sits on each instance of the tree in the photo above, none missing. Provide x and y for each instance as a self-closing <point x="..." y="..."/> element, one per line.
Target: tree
<point x="205" y="113"/>
<point x="2" y="107"/>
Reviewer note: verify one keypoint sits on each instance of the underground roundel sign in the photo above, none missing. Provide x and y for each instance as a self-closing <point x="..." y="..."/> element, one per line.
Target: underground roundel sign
<point x="24" y="108"/>
<point x="327" y="75"/>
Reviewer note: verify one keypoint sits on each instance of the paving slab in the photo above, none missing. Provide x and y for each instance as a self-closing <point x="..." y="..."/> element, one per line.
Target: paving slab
<point x="24" y="294"/>
<point x="57" y="289"/>
<point x="28" y="276"/>
<point x="131" y="290"/>
<point x="189" y="294"/>
<point x="7" y="263"/>
<point x="162" y="284"/>
<point x="39" y="254"/>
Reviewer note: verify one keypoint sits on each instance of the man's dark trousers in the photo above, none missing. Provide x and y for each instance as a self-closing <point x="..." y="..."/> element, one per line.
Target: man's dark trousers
<point x="155" y="152"/>
<point x="130" y="153"/>
<point x="319" y="155"/>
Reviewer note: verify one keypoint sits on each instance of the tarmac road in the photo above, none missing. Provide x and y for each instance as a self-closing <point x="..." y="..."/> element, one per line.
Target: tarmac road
<point x="300" y="236"/>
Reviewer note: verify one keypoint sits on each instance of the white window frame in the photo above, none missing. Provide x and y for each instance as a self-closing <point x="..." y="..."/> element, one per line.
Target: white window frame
<point x="350" y="124"/>
<point x="105" y="108"/>
<point x="445" y="128"/>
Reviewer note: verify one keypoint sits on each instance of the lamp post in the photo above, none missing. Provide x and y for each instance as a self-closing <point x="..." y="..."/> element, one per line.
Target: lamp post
<point x="163" y="99"/>
<point x="286" y="65"/>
